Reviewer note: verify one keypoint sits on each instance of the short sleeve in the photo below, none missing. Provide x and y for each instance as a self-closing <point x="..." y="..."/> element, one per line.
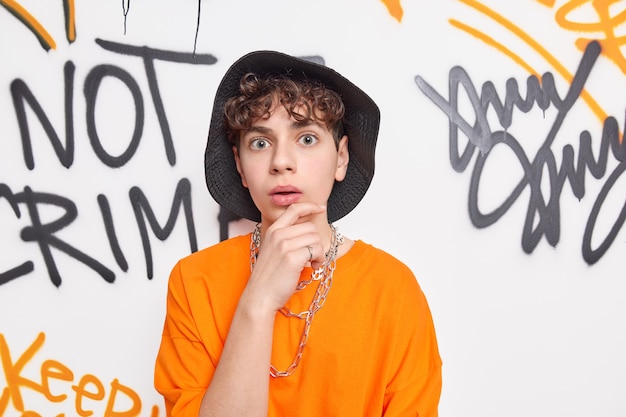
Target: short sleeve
<point x="415" y="388"/>
<point x="183" y="367"/>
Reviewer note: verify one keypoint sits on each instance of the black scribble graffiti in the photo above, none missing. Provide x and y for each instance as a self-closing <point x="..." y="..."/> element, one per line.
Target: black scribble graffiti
<point x="542" y="215"/>
<point x="195" y="39"/>
<point x="143" y="212"/>
<point x="44" y="234"/>
<point x="29" y="204"/>
<point x="22" y="95"/>
<point x="149" y="56"/>
<point x="125" y="10"/>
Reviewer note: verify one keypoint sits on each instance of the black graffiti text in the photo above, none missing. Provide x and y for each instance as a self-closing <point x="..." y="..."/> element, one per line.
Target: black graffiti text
<point x="22" y="96"/>
<point x="44" y="234"/>
<point x="31" y="201"/>
<point x="543" y="214"/>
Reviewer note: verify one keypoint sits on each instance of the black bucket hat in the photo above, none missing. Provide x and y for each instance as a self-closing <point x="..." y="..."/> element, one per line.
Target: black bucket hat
<point x="361" y="122"/>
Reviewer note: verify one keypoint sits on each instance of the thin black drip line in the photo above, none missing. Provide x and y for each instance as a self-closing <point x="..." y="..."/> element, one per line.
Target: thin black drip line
<point x="125" y="9"/>
<point x="195" y="41"/>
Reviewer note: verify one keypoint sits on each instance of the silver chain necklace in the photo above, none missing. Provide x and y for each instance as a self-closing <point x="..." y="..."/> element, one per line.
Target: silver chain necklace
<point x="323" y="274"/>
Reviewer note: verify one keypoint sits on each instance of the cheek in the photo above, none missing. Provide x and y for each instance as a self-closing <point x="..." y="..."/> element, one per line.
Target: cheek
<point x="253" y="175"/>
<point x="249" y="170"/>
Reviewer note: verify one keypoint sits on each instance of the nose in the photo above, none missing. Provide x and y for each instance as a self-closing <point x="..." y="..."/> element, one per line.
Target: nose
<point x="283" y="159"/>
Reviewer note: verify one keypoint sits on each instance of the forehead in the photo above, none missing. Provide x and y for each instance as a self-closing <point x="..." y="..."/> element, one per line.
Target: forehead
<point x="279" y="117"/>
<point x="302" y="114"/>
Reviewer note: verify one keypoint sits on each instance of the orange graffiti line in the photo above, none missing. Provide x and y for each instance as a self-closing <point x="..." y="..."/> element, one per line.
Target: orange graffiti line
<point x="12" y="370"/>
<point x="132" y="395"/>
<point x="549" y="3"/>
<point x="593" y="105"/>
<point x="70" y="20"/>
<point x="490" y="41"/>
<point x="605" y="24"/>
<point x="395" y="9"/>
<point x="601" y="6"/>
<point x="46" y="41"/>
<point x="4" y="400"/>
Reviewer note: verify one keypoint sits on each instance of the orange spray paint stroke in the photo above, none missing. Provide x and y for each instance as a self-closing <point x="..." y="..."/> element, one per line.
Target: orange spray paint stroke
<point x="532" y="43"/>
<point x="395" y="9"/>
<point x="45" y="39"/>
<point x="605" y="25"/>
<point x="70" y="20"/>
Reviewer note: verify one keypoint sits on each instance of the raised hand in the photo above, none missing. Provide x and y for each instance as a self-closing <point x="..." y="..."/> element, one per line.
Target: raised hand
<point x="287" y="246"/>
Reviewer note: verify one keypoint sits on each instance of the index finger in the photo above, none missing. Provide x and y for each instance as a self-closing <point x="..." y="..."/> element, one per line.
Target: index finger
<point x="296" y="211"/>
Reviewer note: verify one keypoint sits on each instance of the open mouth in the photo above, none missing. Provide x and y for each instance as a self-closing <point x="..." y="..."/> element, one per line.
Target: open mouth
<point x="283" y="196"/>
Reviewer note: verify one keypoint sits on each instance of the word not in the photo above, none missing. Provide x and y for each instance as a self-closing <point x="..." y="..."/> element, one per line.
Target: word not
<point x="543" y="215"/>
<point x="22" y="95"/>
<point x="86" y="391"/>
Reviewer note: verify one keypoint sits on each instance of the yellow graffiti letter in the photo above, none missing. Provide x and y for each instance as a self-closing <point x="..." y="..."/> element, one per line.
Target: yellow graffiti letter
<point x="12" y="370"/>
<point x="134" y="398"/>
<point x="81" y="392"/>
<point x="56" y="370"/>
<point x="4" y="400"/>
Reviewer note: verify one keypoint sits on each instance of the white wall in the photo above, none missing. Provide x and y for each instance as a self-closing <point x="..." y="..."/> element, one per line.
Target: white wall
<point x="525" y="327"/>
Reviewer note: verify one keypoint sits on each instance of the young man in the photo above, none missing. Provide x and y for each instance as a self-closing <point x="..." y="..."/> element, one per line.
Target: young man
<point x="294" y="319"/>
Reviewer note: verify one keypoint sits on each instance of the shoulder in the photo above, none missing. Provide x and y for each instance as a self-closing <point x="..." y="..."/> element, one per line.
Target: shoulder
<point x="364" y="257"/>
<point x="233" y="250"/>
<point x="223" y="263"/>
<point x="383" y="288"/>
<point x="368" y="269"/>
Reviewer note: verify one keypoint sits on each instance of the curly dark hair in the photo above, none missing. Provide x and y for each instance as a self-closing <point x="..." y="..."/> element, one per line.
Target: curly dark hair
<point x="314" y="101"/>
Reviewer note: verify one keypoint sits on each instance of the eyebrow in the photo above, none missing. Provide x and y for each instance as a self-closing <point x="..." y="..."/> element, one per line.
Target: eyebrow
<point x="257" y="129"/>
<point x="305" y="123"/>
<point x="295" y="125"/>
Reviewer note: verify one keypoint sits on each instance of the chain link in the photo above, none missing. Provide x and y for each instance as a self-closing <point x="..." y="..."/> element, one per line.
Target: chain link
<point x="323" y="274"/>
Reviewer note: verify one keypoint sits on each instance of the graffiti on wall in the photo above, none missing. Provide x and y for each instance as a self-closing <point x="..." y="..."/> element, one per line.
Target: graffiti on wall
<point x="57" y="384"/>
<point x="57" y="381"/>
<point x="543" y="212"/>
<point x="32" y="200"/>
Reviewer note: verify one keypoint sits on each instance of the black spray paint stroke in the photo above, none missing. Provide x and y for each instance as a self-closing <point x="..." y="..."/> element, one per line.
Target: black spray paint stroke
<point x="149" y="55"/>
<point x="143" y="212"/>
<point x="125" y="10"/>
<point x="109" y="227"/>
<point x="92" y="87"/>
<point x="480" y="135"/>
<point x="22" y="95"/>
<point x="25" y="267"/>
<point x="44" y="234"/>
<point x="195" y="38"/>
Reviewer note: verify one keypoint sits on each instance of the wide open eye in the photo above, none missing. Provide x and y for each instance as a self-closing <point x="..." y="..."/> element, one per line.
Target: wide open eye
<point x="308" y="139"/>
<point x="259" y="143"/>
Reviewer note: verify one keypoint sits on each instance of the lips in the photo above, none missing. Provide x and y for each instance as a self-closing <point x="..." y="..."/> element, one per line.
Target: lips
<point x="285" y="195"/>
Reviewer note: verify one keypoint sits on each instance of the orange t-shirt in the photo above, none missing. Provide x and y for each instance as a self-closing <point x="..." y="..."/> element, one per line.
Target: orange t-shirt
<point x="371" y="350"/>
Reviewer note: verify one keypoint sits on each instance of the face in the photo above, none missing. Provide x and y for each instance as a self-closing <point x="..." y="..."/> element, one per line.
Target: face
<point x="282" y="161"/>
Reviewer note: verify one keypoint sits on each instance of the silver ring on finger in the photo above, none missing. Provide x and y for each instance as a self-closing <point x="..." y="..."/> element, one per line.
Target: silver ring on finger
<point x="310" y="249"/>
